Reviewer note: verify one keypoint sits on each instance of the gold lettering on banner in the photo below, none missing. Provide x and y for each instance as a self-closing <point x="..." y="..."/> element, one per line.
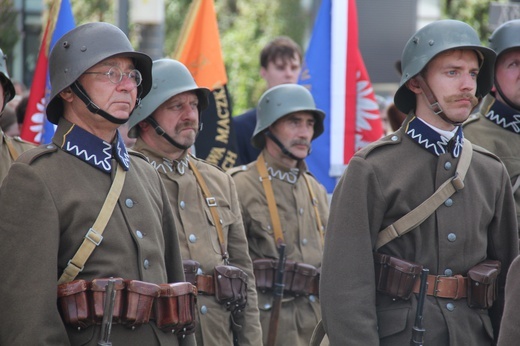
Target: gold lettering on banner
<point x="215" y="155"/>
<point x="229" y="160"/>
<point x="223" y="127"/>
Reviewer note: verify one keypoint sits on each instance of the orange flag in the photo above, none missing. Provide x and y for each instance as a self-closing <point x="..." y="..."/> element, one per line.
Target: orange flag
<point x="199" y="49"/>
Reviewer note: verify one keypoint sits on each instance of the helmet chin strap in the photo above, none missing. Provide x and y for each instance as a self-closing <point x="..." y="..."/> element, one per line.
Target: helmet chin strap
<point x="78" y="89"/>
<point x="160" y="131"/>
<point x="284" y="150"/>
<point x="505" y="98"/>
<point x="434" y="104"/>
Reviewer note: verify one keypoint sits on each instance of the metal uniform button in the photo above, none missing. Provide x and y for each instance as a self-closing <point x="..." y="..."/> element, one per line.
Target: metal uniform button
<point x="301" y="211"/>
<point x="447" y="165"/>
<point x="452" y="237"/>
<point x="450" y="306"/>
<point x="203" y="309"/>
<point x="192" y="238"/>
<point x="267" y="306"/>
<point x="394" y="138"/>
<point x="129" y="203"/>
<point x="448" y="202"/>
<point x="146" y="264"/>
<point x="304" y="241"/>
<point x="312" y="298"/>
<point x="139" y="234"/>
<point x="182" y="205"/>
<point x="448" y="272"/>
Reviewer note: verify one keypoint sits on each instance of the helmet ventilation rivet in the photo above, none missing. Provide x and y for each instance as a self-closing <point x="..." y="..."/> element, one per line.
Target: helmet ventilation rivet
<point x="431" y="42"/>
<point x="83" y="49"/>
<point x="66" y="44"/>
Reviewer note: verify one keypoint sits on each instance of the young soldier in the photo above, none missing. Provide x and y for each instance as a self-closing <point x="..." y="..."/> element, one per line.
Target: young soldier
<point x="204" y="202"/>
<point x="282" y="203"/>
<point x="57" y="200"/>
<point x="463" y="238"/>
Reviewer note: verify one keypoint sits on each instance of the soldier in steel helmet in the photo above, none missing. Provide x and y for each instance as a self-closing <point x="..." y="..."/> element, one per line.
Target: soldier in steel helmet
<point x="282" y="203"/>
<point x="204" y="202"/>
<point x="83" y="210"/>
<point x="496" y="125"/>
<point x="10" y="147"/>
<point x="465" y="236"/>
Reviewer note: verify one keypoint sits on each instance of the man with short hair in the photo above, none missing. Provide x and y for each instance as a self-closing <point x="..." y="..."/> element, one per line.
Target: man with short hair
<point x="204" y="201"/>
<point x="83" y="210"/>
<point x="10" y="147"/>
<point x="281" y="63"/>
<point x="465" y="234"/>
<point x="282" y="203"/>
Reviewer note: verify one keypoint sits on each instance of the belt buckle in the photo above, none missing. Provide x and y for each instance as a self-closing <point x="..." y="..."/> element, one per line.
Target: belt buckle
<point x="436" y="284"/>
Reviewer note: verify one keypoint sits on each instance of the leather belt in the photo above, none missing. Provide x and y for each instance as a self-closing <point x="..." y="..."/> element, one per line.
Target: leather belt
<point x="205" y="284"/>
<point x="452" y="287"/>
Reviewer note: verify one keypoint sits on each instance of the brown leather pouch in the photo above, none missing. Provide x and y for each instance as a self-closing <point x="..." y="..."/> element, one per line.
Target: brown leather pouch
<point x="175" y="307"/>
<point x="303" y="275"/>
<point x="394" y="276"/>
<point x="98" y="293"/>
<point x="483" y="289"/>
<point x="139" y="302"/>
<point x="264" y="273"/>
<point x="288" y="276"/>
<point x="231" y="287"/>
<point x="191" y="268"/>
<point x="73" y="303"/>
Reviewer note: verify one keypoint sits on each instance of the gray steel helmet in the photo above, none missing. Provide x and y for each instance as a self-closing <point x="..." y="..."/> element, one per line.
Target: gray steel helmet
<point x="83" y="47"/>
<point x="8" y="86"/>
<point x="279" y="101"/>
<point x="435" y="38"/>
<point x="170" y="78"/>
<point x="505" y="37"/>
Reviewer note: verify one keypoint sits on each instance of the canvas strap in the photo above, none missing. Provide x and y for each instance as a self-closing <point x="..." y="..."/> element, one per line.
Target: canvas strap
<point x="12" y="150"/>
<point x="94" y="235"/>
<point x="415" y="217"/>
<point x="212" y="204"/>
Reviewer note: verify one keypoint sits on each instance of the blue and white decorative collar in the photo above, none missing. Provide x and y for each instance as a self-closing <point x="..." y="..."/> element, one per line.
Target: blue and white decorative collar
<point x="432" y="141"/>
<point x="95" y="151"/>
<point x="504" y="116"/>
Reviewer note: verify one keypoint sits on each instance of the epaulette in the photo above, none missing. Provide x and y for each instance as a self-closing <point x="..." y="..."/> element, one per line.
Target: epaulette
<point x="237" y="169"/>
<point x="137" y="154"/>
<point x="393" y="138"/>
<point x="472" y="118"/>
<point x="192" y="157"/>
<point x="486" y="152"/>
<point x="20" y="140"/>
<point x="31" y="155"/>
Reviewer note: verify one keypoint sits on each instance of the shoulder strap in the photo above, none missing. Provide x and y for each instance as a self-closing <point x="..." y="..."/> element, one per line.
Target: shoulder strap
<point x="271" y="202"/>
<point x="12" y="150"/>
<point x="415" y="217"/>
<point x="212" y="204"/>
<point x="94" y="235"/>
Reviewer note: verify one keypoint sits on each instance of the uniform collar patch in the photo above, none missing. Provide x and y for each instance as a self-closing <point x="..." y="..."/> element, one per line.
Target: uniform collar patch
<point x="504" y="116"/>
<point x="171" y="166"/>
<point x="95" y="151"/>
<point x="432" y="141"/>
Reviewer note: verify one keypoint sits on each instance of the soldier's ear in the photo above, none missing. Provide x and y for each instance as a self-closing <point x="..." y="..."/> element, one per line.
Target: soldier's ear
<point x="66" y="94"/>
<point x="413" y="85"/>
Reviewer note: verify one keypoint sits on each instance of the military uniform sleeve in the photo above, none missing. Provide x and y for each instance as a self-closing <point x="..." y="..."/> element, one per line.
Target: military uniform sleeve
<point x="29" y="234"/>
<point x="509" y="331"/>
<point x="347" y="287"/>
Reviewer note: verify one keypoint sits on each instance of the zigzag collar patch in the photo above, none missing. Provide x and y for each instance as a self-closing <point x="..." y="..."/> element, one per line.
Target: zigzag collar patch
<point x="95" y="151"/>
<point x="432" y="141"/>
<point x="504" y="116"/>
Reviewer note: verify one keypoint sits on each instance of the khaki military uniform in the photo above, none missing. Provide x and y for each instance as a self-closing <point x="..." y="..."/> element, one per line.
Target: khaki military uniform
<point x="509" y="330"/>
<point x="199" y="241"/>
<point x="299" y="315"/>
<point x="382" y="183"/>
<point x="49" y="200"/>
<point x="497" y="139"/>
<point x="10" y="149"/>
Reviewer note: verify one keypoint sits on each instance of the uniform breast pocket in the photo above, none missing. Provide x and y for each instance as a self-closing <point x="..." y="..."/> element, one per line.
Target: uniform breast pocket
<point x="226" y="218"/>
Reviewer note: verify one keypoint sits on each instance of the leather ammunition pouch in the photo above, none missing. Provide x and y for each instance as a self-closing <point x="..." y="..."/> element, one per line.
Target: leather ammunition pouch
<point x="191" y="268"/>
<point x="395" y="277"/>
<point x="482" y="281"/>
<point x="81" y="304"/>
<point x="230" y="287"/>
<point x="299" y="278"/>
<point x="175" y="308"/>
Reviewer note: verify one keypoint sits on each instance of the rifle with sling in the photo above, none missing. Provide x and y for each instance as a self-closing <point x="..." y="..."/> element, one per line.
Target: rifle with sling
<point x="418" y="329"/>
<point x="108" y="312"/>
<point x="277" y="297"/>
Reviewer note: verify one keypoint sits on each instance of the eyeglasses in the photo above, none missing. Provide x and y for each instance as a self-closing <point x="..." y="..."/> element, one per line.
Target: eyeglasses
<point x="115" y="75"/>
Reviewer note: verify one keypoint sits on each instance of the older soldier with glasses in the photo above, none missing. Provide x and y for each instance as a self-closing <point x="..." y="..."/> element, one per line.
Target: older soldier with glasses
<point x="83" y="212"/>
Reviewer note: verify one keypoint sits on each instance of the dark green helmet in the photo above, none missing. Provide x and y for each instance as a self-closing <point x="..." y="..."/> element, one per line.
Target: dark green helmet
<point x="83" y="47"/>
<point x="433" y="39"/>
<point x="8" y="86"/>
<point x="170" y="78"/>
<point x="505" y="37"/>
<point x="279" y="101"/>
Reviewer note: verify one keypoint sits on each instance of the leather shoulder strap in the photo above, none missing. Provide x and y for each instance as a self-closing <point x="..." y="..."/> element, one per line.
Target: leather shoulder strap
<point x="415" y="217"/>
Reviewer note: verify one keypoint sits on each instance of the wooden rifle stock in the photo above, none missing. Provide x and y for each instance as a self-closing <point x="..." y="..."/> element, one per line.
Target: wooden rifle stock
<point x="418" y="329"/>
<point x="277" y="297"/>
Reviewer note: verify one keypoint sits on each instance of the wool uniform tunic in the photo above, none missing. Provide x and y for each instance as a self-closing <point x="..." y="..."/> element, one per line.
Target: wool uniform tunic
<point x="199" y="241"/>
<point x="382" y="183"/>
<point x="49" y="200"/>
<point x="6" y="156"/>
<point x="299" y="315"/>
